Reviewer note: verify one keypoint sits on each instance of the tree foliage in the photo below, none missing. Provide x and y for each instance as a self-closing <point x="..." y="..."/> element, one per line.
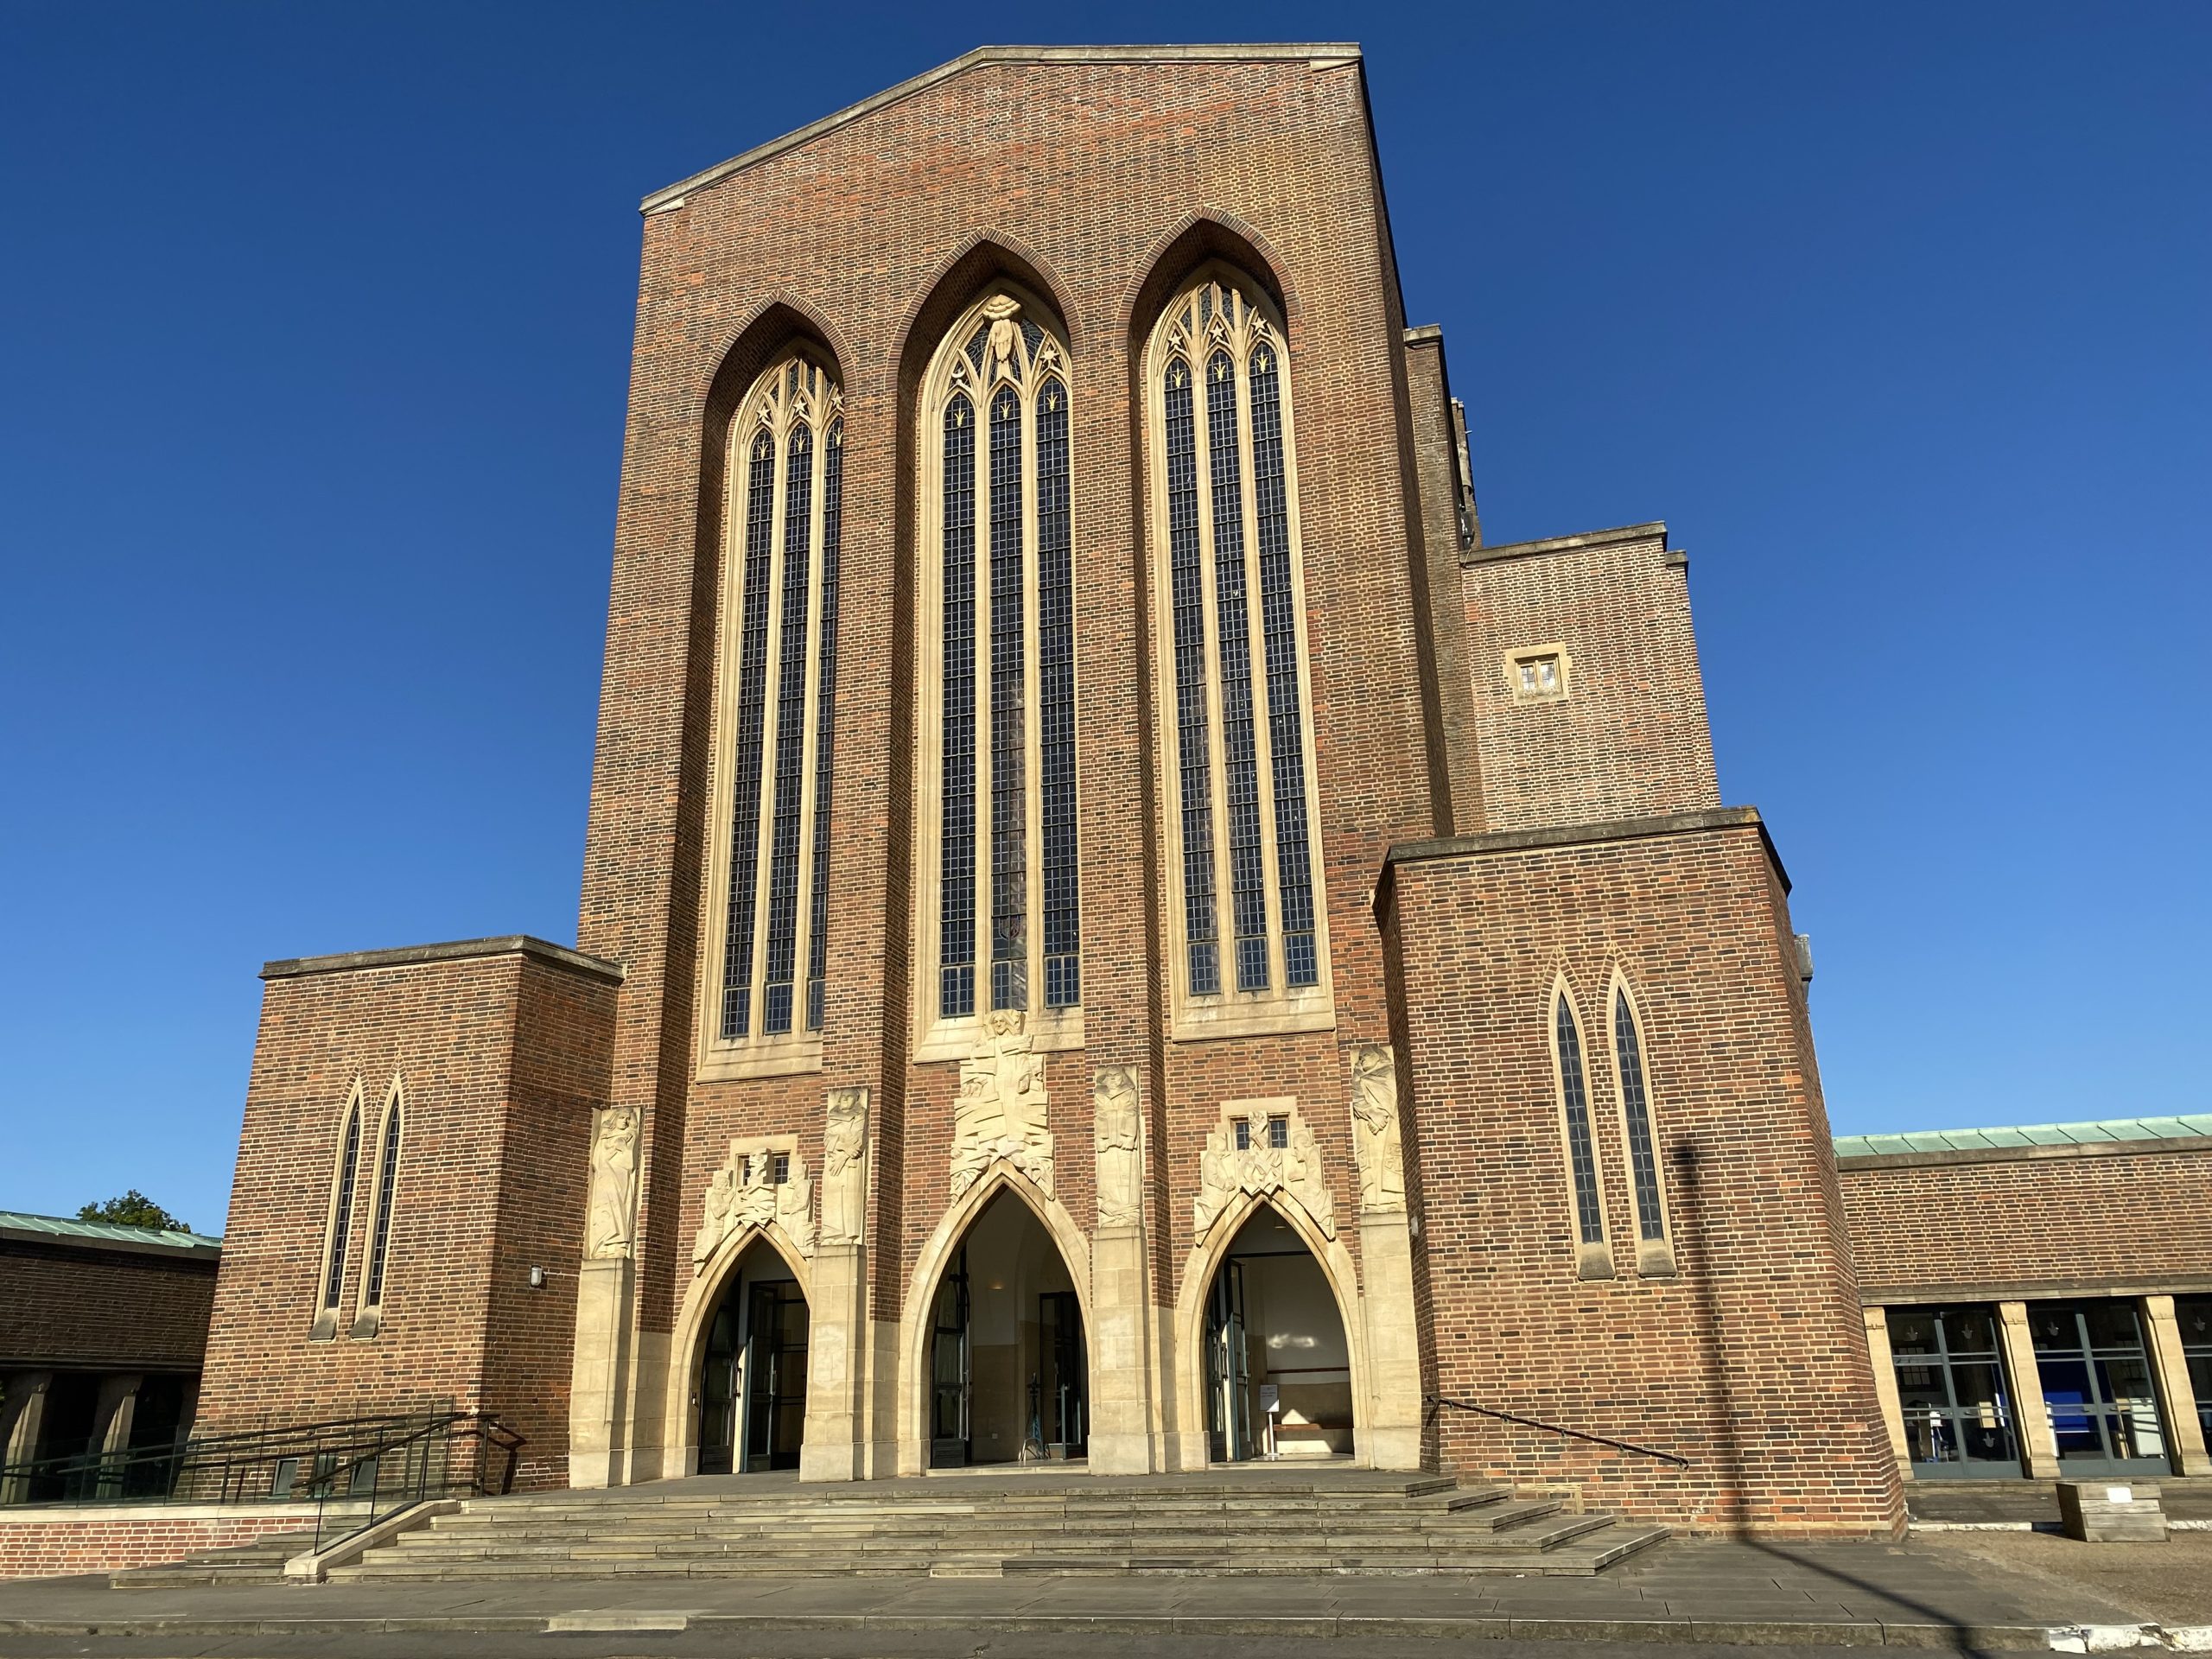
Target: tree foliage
<point x="134" y="1209"/>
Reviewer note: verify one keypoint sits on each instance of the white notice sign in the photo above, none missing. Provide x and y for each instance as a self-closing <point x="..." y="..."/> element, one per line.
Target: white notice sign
<point x="1270" y="1398"/>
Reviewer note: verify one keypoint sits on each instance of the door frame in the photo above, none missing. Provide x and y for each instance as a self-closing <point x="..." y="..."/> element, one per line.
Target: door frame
<point x="687" y="1348"/>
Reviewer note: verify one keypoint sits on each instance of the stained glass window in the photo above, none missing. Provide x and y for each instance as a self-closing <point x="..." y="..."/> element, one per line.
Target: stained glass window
<point x="1581" y="1155"/>
<point x="387" y="1181"/>
<point x="1234" y="642"/>
<point x="786" y="496"/>
<point x="1643" y="1161"/>
<point x="341" y="1206"/>
<point x="1008" y="862"/>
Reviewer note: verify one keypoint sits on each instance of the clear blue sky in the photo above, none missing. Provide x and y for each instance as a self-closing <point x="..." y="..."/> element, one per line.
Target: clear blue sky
<point x="314" y="326"/>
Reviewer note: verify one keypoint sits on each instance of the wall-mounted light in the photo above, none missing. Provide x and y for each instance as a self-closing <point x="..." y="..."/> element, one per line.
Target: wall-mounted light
<point x="538" y="1278"/>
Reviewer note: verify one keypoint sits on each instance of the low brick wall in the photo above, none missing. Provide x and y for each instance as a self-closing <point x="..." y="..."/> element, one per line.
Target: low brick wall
<point x="45" y="1543"/>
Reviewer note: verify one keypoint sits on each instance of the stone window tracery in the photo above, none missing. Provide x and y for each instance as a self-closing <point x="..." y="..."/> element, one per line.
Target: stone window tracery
<point x="1252" y="952"/>
<point x="768" y="916"/>
<point x="1000" y="915"/>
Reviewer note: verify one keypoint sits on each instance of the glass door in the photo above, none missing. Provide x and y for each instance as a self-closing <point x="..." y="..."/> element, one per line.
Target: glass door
<point x="1959" y="1420"/>
<point x="1064" y="1407"/>
<point x="951" y="1383"/>
<point x="775" y="1374"/>
<point x="718" y="1390"/>
<point x="2194" y="1315"/>
<point x="1229" y="1369"/>
<point x="2096" y="1382"/>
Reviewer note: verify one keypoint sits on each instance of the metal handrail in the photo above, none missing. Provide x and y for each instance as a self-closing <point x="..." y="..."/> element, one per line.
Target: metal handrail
<point x="1436" y="1402"/>
<point x="338" y="1464"/>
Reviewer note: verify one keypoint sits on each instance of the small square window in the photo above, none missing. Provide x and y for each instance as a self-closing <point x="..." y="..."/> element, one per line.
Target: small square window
<point x="1279" y="1132"/>
<point x="1243" y="1136"/>
<point x="779" y="1169"/>
<point x="1538" y="676"/>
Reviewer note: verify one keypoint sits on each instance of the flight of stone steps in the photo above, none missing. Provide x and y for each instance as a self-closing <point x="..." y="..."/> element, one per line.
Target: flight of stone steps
<point x="1275" y="1523"/>
<point x="259" y="1562"/>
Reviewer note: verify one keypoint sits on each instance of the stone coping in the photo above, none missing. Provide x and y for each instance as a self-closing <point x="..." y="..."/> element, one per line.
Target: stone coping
<point x="1568" y="543"/>
<point x="78" y="1515"/>
<point x="1583" y="834"/>
<point x="1324" y="54"/>
<point x="556" y="956"/>
<point x="1849" y="1161"/>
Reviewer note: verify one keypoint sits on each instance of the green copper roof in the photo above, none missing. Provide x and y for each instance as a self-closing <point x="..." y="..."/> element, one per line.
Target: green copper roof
<point x="112" y="1232"/>
<point x="2027" y="1134"/>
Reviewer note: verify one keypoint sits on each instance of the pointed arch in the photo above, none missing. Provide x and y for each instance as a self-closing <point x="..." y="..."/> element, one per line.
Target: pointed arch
<point x="1639" y="1128"/>
<point x="1226" y="579"/>
<point x="1578" y="1133"/>
<point x="914" y="1323"/>
<point x="687" y="1342"/>
<point x="1204" y="235"/>
<point x="1200" y="1267"/>
<point x="338" y="1216"/>
<point x="384" y="1190"/>
<point x="997" y="868"/>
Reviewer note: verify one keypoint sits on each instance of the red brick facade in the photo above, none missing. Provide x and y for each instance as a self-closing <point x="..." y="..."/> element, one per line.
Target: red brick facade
<point x="499" y="1048"/>
<point x="1100" y="182"/>
<point x="49" y="1543"/>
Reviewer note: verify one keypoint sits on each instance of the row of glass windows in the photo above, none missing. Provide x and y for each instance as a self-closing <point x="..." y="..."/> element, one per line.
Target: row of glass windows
<point x="1639" y="1143"/>
<point x="1000" y="918"/>
<point x="2092" y="1371"/>
<point x="338" y="1230"/>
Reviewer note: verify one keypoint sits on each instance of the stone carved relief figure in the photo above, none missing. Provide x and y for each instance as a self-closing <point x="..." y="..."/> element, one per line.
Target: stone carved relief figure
<point x="611" y="1213"/>
<point x="1000" y="1111"/>
<point x="1292" y="1171"/>
<point x="844" y="1167"/>
<point x="742" y="1194"/>
<point x="1375" y="1128"/>
<point x="1116" y="1124"/>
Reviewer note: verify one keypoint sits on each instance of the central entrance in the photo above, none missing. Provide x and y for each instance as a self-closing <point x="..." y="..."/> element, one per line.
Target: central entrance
<point x="1009" y="1372"/>
<point x="753" y="1379"/>
<point x="1278" y="1368"/>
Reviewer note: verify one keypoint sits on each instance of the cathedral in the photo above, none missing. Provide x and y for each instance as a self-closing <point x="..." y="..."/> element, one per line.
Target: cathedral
<point x="1117" y="932"/>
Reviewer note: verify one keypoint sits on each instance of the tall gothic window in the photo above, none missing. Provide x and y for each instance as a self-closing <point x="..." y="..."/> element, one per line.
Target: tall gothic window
<point x="1252" y="947"/>
<point x="1593" y="1257"/>
<point x="768" y="918"/>
<point x="1653" y="1251"/>
<point x="1000" y="916"/>
<point x="338" y="1224"/>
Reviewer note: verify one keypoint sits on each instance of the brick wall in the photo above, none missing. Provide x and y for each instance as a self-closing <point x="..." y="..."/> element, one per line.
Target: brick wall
<point x="97" y="1538"/>
<point x="2032" y="1221"/>
<point x="1099" y="183"/>
<point x="1751" y="1360"/>
<point x="89" y="1308"/>
<point x="1630" y="737"/>
<point x="501" y="1056"/>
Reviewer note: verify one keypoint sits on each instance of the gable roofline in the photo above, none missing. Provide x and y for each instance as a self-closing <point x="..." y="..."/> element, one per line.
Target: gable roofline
<point x="1323" y="54"/>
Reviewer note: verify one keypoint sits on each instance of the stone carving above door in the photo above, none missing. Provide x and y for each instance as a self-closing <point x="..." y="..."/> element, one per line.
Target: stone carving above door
<point x="1242" y="1156"/>
<point x="999" y="1112"/>
<point x="844" y="1167"/>
<point x="610" y="1217"/>
<point x="1375" y="1128"/>
<point x="1119" y="1129"/>
<point x="744" y="1193"/>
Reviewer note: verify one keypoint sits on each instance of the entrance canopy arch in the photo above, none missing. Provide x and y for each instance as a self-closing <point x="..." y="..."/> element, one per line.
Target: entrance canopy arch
<point x="1022" y="1291"/>
<point x="1302" y="1329"/>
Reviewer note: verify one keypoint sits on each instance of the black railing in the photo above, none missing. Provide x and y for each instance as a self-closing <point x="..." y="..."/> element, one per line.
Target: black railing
<point x="355" y="1471"/>
<point x="1436" y="1403"/>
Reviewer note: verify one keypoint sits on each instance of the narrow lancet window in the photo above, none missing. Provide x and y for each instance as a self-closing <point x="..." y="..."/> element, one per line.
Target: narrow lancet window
<point x="340" y="1227"/>
<point x="1636" y="1114"/>
<point x="387" y="1184"/>
<point x="1233" y="663"/>
<point x="779" y="668"/>
<point x="1581" y="1152"/>
<point x="1000" y="532"/>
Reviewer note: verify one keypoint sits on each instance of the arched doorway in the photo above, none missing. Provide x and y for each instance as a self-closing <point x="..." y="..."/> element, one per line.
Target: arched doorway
<point x="1278" y="1368"/>
<point x="751" y="1388"/>
<point x="1008" y="1368"/>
